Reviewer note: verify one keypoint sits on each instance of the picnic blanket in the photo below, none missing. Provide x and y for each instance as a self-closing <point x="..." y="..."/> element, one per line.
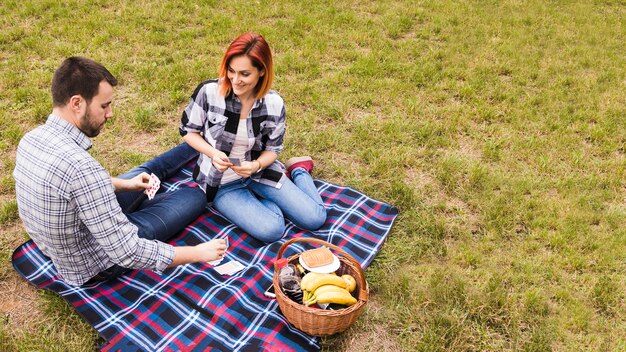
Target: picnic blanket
<point x="192" y="307"/>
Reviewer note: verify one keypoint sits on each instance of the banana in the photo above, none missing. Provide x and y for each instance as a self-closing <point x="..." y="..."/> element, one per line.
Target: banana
<point x="328" y="288"/>
<point x="304" y="282"/>
<point x="350" y="282"/>
<point x="338" y="297"/>
<point x="322" y="279"/>
<point x="325" y="291"/>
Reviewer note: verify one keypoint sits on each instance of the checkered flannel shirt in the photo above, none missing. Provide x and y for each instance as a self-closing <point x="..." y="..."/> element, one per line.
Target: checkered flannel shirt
<point x="216" y="118"/>
<point x="68" y="205"/>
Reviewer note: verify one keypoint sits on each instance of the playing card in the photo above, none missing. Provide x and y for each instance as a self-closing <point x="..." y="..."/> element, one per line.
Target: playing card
<point x="153" y="186"/>
<point x="235" y="161"/>
<point x="216" y="262"/>
<point x="229" y="268"/>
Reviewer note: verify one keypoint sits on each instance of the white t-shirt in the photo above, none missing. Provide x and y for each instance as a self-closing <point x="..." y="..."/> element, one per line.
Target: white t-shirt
<point x="241" y="146"/>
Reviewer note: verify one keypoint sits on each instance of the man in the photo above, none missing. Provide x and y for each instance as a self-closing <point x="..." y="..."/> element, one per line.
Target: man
<point x="92" y="226"/>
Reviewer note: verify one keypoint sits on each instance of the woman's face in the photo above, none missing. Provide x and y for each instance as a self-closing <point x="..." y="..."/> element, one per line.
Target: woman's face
<point x="243" y="76"/>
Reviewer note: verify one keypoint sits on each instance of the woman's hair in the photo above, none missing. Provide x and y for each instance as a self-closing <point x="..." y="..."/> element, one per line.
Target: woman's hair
<point x="78" y="76"/>
<point x="258" y="51"/>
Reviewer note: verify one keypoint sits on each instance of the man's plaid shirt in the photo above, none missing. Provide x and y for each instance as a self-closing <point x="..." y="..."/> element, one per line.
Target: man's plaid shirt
<point x="68" y="205"/>
<point x="216" y="118"/>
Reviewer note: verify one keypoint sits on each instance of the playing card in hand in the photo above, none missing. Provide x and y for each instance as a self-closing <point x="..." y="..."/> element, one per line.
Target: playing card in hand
<point x="153" y="186"/>
<point x="217" y="261"/>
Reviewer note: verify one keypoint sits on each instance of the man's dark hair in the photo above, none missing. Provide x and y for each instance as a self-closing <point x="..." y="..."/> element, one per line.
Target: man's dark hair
<point x="78" y="76"/>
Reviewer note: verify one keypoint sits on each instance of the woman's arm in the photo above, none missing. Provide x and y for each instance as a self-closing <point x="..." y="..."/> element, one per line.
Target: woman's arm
<point x="197" y="142"/>
<point x="275" y="130"/>
<point x="248" y="168"/>
<point x="266" y="159"/>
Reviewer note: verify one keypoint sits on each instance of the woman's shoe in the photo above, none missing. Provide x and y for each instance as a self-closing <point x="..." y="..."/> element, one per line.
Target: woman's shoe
<point x="305" y="162"/>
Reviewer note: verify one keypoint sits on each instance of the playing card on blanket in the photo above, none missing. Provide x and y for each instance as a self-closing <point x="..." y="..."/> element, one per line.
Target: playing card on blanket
<point x="153" y="186"/>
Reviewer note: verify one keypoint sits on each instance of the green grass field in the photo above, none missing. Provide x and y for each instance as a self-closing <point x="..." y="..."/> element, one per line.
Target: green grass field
<point x="498" y="128"/>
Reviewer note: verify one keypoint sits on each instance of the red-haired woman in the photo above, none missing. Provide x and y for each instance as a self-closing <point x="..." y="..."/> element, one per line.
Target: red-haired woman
<point x="237" y="123"/>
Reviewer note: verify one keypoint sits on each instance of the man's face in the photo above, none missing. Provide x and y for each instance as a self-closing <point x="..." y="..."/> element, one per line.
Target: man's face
<point x="98" y="111"/>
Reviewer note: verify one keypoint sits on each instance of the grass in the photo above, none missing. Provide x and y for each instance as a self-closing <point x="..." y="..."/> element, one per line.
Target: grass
<point x="497" y="129"/>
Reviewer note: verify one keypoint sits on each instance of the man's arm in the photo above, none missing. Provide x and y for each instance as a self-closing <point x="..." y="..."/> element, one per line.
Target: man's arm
<point x="101" y="214"/>
<point x="203" y="252"/>
<point x="137" y="183"/>
<point x="98" y="209"/>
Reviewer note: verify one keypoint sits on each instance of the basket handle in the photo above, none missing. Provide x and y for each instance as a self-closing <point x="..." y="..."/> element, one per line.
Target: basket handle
<point x="362" y="291"/>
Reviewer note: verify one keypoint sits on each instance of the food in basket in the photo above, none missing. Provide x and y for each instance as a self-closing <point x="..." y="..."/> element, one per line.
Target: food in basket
<point x="328" y="293"/>
<point x="312" y="281"/>
<point x="327" y="288"/>
<point x="350" y="281"/>
<point x="314" y="258"/>
<point x="332" y="318"/>
<point x="334" y="294"/>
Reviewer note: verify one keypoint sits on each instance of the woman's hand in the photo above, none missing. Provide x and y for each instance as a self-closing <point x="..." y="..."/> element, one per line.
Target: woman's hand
<point x="218" y="158"/>
<point x="220" y="161"/>
<point x="247" y="168"/>
<point x="137" y="183"/>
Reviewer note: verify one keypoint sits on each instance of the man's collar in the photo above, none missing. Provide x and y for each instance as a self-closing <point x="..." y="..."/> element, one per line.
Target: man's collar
<point x="77" y="135"/>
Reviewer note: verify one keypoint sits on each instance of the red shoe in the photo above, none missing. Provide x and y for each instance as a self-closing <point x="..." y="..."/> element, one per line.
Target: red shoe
<point x="305" y="162"/>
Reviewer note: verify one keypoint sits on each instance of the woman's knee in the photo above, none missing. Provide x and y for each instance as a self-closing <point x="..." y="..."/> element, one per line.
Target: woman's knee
<point x="269" y="230"/>
<point x="314" y="220"/>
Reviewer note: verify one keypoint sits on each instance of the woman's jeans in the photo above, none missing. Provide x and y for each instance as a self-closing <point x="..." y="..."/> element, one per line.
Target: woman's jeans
<point x="168" y="212"/>
<point x="258" y="208"/>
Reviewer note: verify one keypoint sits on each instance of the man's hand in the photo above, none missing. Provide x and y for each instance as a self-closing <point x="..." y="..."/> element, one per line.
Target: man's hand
<point x="212" y="250"/>
<point x="203" y="252"/>
<point x="137" y="183"/>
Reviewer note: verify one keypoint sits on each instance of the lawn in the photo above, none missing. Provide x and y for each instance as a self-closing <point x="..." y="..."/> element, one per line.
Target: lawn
<point x="498" y="128"/>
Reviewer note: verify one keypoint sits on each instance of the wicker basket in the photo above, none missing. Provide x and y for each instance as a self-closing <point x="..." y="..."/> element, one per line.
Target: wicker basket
<point x="321" y="322"/>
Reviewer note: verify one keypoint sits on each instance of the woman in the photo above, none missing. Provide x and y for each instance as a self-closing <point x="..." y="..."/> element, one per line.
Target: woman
<point x="237" y="123"/>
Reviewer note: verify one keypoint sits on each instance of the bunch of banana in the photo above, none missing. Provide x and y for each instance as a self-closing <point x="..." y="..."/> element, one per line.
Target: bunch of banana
<point x="327" y="288"/>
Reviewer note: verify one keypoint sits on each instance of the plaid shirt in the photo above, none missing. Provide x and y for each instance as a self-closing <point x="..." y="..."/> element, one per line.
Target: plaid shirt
<point x="68" y="205"/>
<point x="216" y="118"/>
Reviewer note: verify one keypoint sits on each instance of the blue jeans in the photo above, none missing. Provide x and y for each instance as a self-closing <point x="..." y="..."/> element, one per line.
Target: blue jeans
<point x="260" y="209"/>
<point x="168" y="212"/>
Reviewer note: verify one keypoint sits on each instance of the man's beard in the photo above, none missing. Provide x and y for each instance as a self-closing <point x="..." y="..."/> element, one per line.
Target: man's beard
<point x="88" y="127"/>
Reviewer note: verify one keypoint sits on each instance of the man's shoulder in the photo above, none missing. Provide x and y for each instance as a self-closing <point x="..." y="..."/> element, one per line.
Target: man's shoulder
<point x="46" y="163"/>
<point x="47" y="146"/>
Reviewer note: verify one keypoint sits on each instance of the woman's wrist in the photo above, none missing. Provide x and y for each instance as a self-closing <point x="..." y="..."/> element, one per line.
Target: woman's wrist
<point x="260" y="165"/>
<point x="211" y="151"/>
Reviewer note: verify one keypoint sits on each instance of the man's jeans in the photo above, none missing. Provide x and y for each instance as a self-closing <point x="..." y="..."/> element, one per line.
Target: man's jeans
<point x="258" y="208"/>
<point x="167" y="213"/>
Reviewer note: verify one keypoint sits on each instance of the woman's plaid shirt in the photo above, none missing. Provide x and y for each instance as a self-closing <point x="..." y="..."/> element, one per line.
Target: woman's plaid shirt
<point x="216" y="118"/>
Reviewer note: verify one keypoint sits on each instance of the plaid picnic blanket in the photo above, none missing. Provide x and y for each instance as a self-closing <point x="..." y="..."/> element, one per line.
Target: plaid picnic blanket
<point x="192" y="307"/>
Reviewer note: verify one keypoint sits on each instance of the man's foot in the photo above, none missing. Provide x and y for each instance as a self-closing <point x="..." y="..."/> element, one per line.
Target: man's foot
<point x="305" y="162"/>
